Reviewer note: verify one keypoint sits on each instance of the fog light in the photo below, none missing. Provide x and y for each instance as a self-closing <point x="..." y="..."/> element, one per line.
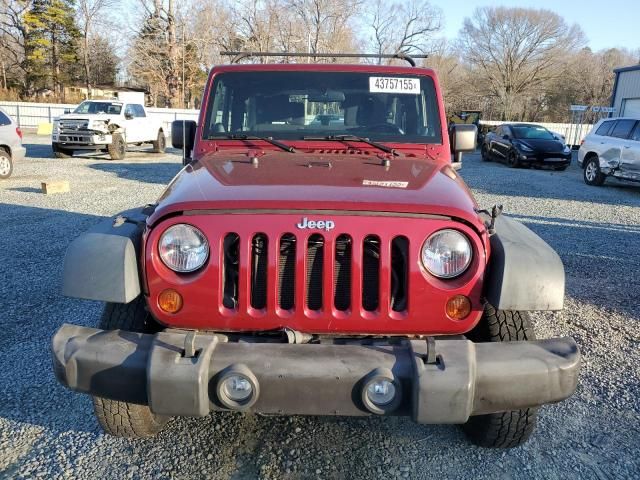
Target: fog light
<point x="237" y="387"/>
<point x="458" y="307"/>
<point x="170" y="301"/>
<point x="381" y="391"/>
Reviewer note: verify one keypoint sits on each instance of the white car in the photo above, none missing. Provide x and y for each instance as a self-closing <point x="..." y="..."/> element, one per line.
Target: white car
<point x="11" y="149"/>
<point x="611" y="149"/>
<point x="106" y="125"/>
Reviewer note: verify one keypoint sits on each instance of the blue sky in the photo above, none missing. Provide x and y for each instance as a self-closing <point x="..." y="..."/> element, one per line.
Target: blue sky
<point x="606" y="24"/>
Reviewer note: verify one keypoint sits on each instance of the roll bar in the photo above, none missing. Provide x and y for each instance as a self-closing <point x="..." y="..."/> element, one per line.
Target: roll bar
<point x="238" y="55"/>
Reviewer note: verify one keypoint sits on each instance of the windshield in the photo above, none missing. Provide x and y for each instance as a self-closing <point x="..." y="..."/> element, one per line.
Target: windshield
<point x="99" y="107"/>
<point x="293" y="105"/>
<point x="531" y="132"/>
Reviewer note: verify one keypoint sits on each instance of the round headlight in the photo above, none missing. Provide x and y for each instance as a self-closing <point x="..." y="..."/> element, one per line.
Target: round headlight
<point x="446" y="253"/>
<point x="183" y="248"/>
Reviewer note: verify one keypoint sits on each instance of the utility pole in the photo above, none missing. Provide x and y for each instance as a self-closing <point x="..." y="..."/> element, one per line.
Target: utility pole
<point x="183" y="97"/>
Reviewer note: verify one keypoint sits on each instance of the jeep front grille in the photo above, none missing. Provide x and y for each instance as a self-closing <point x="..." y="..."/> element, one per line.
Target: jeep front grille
<point x="339" y="272"/>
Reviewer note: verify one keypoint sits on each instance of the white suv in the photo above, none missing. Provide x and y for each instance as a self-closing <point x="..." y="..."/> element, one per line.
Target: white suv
<point x="612" y="149"/>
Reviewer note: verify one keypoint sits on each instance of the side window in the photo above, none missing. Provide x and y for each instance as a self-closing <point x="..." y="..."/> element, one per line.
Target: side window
<point x="636" y="133"/>
<point x="4" y="120"/>
<point x="129" y="111"/>
<point x="623" y="128"/>
<point x="139" y="111"/>
<point x="604" y="128"/>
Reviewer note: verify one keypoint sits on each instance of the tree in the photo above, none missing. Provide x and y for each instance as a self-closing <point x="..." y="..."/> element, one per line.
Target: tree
<point x="13" y="34"/>
<point x="403" y="27"/>
<point x="91" y="13"/>
<point x="327" y="24"/>
<point x="51" y="42"/>
<point x="516" y="52"/>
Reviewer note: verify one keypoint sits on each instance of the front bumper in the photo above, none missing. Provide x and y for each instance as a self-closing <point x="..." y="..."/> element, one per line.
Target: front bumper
<point x="552" y="159"/>
<point x="440" y="381"/>
<point x="81" y="139"/>
<point x="18" y="153"/>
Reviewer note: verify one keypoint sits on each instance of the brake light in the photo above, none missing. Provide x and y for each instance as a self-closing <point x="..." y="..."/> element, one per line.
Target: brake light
<point x="19" y="132"/>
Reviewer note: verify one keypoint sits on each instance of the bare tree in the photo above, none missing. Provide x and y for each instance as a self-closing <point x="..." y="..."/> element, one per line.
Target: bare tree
<point x="326" y="23"/>
<point x="403" y="27"/>
<point x="517" y="51"/>
<point x="91" y="13"/>
<point x="13" y="35"/>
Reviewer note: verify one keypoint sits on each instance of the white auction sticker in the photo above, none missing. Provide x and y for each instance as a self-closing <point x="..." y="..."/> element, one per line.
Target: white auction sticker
<point x="394" y="85"/>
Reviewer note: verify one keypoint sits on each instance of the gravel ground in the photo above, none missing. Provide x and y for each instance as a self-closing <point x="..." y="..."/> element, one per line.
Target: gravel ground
<point x="47" y="431"/>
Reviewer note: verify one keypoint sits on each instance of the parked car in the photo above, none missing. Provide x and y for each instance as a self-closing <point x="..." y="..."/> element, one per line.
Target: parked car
<point x="11" y="149"/>
<point x="108" y="126"/>
<point x="611" y="149"/>
<point x="526" y="144"/>
<point x="292" y="268"/>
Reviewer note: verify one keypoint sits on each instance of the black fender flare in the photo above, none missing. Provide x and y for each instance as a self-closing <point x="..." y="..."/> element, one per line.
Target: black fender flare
<point x="102" y="263"/>
<point x="524" y="272"/>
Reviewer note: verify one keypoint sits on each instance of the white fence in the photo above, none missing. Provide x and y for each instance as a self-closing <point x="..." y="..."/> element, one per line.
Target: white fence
<point x="30" y="115"/>
<point x="573" y="133"/>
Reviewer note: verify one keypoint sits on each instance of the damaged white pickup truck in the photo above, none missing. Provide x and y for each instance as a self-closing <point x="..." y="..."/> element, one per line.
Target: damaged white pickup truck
<point x="107" y="126"/>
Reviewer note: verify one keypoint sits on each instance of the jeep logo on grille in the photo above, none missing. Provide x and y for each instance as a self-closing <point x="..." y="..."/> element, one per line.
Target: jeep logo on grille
<point x="313" y="224"/>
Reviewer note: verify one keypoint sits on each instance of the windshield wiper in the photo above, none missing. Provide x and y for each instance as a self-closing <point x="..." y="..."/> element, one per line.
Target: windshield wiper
<point x="234" y="136"/>
<point x="355" y="138"/>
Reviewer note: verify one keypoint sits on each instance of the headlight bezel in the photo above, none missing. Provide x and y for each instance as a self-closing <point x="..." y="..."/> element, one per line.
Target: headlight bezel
<point x="458" y="273"/>
<point x="175" y="267"/>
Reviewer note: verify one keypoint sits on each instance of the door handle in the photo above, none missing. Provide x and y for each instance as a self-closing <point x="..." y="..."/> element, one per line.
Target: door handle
<point x="627" y="146"/>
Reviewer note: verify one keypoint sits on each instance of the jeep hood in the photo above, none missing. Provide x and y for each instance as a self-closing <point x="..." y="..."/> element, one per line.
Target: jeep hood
<point x="302" y="181"/>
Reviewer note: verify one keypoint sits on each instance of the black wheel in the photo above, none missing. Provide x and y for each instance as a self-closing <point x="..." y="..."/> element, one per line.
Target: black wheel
<point x="592" y="174"/>
<point x="512" y="160"/>
<point x="60" y="152"/>
<point x="160" y="144"/>
<point x="118" y="147"/>
<point x="6" y="164"/>
<point x="484" y="153"/>
<point x="124" y="419"/>
<point x="506" y="429"/>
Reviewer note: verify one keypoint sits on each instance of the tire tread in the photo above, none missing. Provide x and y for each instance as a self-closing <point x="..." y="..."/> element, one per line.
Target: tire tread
<point x="505" y="429"/>
<point x="118" y="418"/>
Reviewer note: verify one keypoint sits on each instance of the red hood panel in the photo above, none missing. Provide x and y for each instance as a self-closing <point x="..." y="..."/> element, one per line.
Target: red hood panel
<point x="351" y="181"/>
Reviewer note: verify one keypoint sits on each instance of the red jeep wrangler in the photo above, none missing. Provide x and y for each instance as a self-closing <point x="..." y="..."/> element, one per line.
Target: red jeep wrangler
<point x="318" y="254"/>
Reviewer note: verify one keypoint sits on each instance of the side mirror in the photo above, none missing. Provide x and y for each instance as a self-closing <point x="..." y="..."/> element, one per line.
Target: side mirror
<point x="505" y="137"/>
<point x="183" y="136"/>
<point x="128" y="116"/>
<point x="67" y="110"/>
<point x="463" y="139"/>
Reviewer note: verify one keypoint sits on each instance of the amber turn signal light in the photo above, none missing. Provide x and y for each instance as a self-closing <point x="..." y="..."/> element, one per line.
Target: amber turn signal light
<point x="458" y="307"/>
<point x="170" y="301"/>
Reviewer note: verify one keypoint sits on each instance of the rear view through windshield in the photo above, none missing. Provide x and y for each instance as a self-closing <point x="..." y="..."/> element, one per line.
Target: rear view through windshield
<point x="99" y="107"/>
<point x="293" y="105"/>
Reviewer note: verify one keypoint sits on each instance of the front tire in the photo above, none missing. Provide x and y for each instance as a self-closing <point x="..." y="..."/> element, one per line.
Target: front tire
<point x="484" y="153"/>
<point x="592" y="174"/>
<point x="60" y="152"/>
<point x="118" y="147"/>
<point x="123" y="419"/>
<point x="505" y="429"/>
<point x="160" y="144"/>
<point x="512" y="160"/>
